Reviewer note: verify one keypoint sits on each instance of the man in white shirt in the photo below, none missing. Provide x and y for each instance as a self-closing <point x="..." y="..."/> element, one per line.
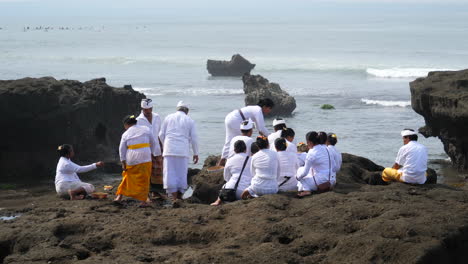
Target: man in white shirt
<point x="411" y="161"/>
<point x="246" y="128"/>
<point x="278" y="125"/>
<point x="177" y="133"/>
<point x="153" y="122"/>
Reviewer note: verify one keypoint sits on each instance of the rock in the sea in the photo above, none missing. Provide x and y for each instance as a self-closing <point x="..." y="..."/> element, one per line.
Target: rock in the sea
<point x="39" y="114"/>
<point x="237" y="66"/>
<point x="256" y="87"/>
<point x="442" y="99"/>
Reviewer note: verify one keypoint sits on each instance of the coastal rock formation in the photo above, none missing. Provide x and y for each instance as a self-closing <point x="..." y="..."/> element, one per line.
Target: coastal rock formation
<point x="237" y="66"/>
<point x="256" y="87"/>
<point x="39" y="114"/>
<point x="442" y="99"/>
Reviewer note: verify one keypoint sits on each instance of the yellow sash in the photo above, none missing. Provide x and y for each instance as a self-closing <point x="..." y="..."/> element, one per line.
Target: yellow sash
<point x="138" y="146"/>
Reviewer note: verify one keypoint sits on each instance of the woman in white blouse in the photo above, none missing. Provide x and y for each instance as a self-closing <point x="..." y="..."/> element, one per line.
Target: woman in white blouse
<point x="288" y="165"/>
<point x="67" y="182"/>
<point x="264" y="169"/>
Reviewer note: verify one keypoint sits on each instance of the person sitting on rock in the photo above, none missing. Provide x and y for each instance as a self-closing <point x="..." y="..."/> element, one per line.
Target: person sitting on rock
<point x="289" y="134"/>
<point x="67" y="182"/>
<point x="246" y="128"/>
<point x="236" y="164"/>
<point x="234" y="118"/>
<point x="317" y="168"/>
<point x="264" y="169"/>
<point x="411" y="161"/>
<point x="302" y="149"/>
<point x="332" y="139"/>
<point x="288" y="165"/>
<point x="254" y="148"/>
<point x="278" y="125"/>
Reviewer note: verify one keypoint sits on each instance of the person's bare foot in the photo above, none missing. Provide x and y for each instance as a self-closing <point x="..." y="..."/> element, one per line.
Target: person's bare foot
<point x="118" y="199"/>
<point x="246" y="195"/>
<point x="218" y="202"/>
<point x="74" y="196"/>
<point x="304" y="194"/>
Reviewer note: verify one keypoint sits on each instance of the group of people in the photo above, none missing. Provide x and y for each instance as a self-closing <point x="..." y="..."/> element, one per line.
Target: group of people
<point x="155" y="157"/>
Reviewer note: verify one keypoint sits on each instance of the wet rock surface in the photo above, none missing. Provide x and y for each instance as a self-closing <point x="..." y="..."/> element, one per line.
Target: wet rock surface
<point x="442" y="99"/>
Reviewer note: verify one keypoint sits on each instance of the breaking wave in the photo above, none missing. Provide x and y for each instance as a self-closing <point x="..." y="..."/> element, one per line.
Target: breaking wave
<point x="401" y="72"/>
<point x="386" y="103"/>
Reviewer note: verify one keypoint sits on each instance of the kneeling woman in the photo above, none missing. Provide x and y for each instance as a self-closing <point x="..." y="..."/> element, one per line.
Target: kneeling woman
<point x="135" y="149"/>
<point x="67" y="182"/>
<point x="317" y="169"/>
<point x="237" y="166"/>
<point x="264" y="169"/>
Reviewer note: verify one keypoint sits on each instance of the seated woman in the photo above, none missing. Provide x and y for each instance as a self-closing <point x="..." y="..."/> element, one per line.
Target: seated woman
<point x="332" y="139"/>
<point x="289" y="134"/>
<point x="67" y="182"/>
<point x="234" y="166"/>
<point x="264" y="169"/>
<point x="302" y="149"/>
<point x="136" y="146"/>
<point x="288" y="165"/>
<point x="318" y="163"/>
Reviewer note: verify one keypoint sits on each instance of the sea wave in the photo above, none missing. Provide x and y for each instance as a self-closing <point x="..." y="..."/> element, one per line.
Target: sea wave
<point x="402" y="72"/>
<point x="386" y="103"/>
<point x="188" y="91"/>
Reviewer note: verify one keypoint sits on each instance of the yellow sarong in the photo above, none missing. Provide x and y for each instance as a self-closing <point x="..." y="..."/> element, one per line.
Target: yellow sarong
<point x="136" y="180"/>
<point x="390" y="174"/>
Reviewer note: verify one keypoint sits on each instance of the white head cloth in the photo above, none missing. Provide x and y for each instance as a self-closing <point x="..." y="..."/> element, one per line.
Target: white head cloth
<point x="146" y="103"/>
<point x="278" y="122"/>
<point x="182" y="104"/>
<point x="247" y="125"/>
<point x="406" y="133"/>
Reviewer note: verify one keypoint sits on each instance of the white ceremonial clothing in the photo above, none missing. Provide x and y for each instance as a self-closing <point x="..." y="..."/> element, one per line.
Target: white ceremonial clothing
<point x="154" y="127"/>
<point x="301" y="157"/>
<point x="177" y="133"/>
<point x="291" y="147"/>
<point x="316" y="169"/>
<point x="247" y="140"/>
<point x="234" y="119"/>
<point x="272" y="137"/>
<point x="288" y="165"/>
<point x="336" y="157"/>
<point x="66" y="176"/>
<point x="175" y="170"/>
<point x="232" y="170"/>
<point x="136" y="135"/>
<point x="264" y="169"/>
<point x="412" y="158"/>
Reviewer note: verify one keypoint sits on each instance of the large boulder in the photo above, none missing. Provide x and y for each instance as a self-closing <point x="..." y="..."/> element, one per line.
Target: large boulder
<point x="39" y="114"/>
<point x="256" y="87"/>
<point x="237" y="66"/>
<point x="442" y="99"/>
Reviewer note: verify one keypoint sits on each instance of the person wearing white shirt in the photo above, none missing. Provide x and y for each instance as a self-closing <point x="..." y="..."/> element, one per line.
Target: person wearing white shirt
<point x="335" y="154"/>
<point x="67" y="182"/>
<point x="233" y="169"/>
<point x="177" y="134"/>
<point x="278" y="125"/>
<point x="411" y="161"/>
<point x="317" y="168"/>
<point x="302" y="149"/>
<point x="246" y="128"/>
<point x="264" y="169"/>
<point x="288" y="165"/>
<point x="234" y="118"/>
<point x="152" y="120"/>
<point x="289" y="134"/>
<point x="136" y="147"/>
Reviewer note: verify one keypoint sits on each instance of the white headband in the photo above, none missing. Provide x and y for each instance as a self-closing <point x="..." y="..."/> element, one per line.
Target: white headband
<point x="182" y="104"/>
<point x="406" y="133"/>
<point x="278" y="122"/>
<point x="146" y="103"/>
<point x="247" y="125"/>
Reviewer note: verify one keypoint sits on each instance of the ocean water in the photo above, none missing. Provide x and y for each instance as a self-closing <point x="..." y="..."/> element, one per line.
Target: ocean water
<point x="360" y="62"/>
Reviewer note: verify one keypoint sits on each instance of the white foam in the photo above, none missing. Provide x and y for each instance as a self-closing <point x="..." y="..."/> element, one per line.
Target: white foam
<point x="188" y="91"/>
<point x="402" y="72"/>
<point x="386" y="103"/>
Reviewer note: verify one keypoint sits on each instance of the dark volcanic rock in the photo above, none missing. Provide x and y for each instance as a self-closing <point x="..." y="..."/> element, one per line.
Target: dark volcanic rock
<point x="236" y="67"/>
<point x="42" y="113"/>
<point x="256" y="87"/>
<point x="442" y="99"/>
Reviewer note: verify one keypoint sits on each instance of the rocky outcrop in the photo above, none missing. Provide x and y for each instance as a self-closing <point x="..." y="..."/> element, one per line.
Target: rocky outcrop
<point x="237" y="66"/>
<point x="256" y="87"/>
<point x="39" y="114"/>
<point x="442" y="99"/>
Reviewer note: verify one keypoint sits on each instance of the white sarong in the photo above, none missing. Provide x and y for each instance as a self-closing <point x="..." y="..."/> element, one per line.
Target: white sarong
<point x="175" y="174"/>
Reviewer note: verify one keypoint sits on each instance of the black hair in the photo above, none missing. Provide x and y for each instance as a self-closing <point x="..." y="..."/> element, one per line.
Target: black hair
<point x="280" y="144"/>
<point x="239" y="146"/>
<point x="262" y="142"/>
<point x="254" y="148"/>
<point x="64" y="150"/>
<point x="332" y="140"/>
<point x="412" y="137"/>
<point x="287" y="132"/>
<point x="245" y="131"/>
<point x="279" y="127"/>
<point x="266" y="102"/>
<point x="312" y="137"/>
<point x="129" y="120"/>
<point x="322" y="137"/>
